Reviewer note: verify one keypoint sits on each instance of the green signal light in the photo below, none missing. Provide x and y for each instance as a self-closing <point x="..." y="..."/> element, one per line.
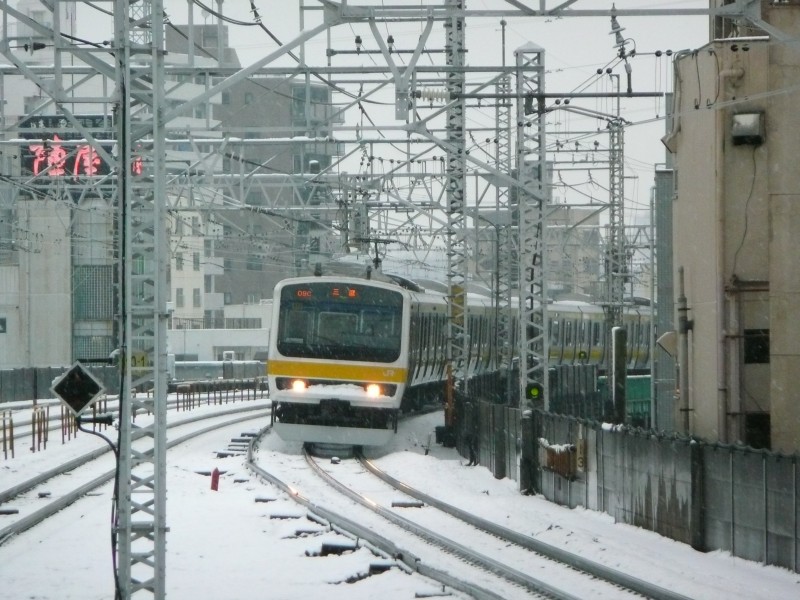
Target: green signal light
<point x="534" y="390"/>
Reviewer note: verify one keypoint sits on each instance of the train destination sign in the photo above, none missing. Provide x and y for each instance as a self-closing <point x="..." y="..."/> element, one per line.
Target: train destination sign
<point x="78" y="389"/>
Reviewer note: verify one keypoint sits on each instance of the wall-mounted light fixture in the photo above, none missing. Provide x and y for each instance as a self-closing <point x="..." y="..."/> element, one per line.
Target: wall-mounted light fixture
<point x="748" y="128"/>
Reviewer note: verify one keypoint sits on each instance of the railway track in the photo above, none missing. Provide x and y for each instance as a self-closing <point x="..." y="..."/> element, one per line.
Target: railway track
<point x="622" y="581"/>
<point x="263" y="541"/>
<point x="360" y="531"/>
<point x="33" y="500"/>
<point x="429" y="540"/>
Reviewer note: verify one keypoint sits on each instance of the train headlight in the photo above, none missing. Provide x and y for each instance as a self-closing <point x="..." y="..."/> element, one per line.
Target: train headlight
<point x="373" y="390"/>
<point x="298" y="385"/>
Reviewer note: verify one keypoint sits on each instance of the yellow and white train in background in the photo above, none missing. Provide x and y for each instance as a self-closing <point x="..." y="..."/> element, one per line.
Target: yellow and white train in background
<point x="348" y="354"/>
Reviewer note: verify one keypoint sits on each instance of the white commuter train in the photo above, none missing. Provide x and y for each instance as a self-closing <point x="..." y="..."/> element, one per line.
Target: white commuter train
<point x="347" y="354"/>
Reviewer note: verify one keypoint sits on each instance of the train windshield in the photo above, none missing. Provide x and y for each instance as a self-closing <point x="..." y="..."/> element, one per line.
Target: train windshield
<point x="340" y="321"/>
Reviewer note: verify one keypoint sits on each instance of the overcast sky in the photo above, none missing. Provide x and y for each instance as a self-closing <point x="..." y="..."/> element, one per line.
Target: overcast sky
<point x="575" y="48"/>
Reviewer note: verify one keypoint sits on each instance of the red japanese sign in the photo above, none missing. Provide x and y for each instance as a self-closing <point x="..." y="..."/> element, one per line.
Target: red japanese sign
<point x="49" y="155"/>
<point x="52" y="157"/>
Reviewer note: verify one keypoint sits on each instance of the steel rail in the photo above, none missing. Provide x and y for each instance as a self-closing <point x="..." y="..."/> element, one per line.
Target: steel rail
<point x="76" y="462"/>
<point x="373" y="540"/>
<point x="573" y="560"/>
<point x="499" y="569"/>
<point x="36" y="517"/>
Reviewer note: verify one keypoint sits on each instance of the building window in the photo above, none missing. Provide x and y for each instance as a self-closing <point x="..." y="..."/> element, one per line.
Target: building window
<point x="178" y="226"/>
<point x="255" y="198"/>
<point x="179" y="297"/>
<point x="756" y="346"/>
<point x="195" y="225"/>
<point x="207" y="284"/>
<point x="757" y="430"/>
<point x="196" y="261"/>
<point x="210" y="38"/>
<point x="227" y="265"/>
<point x="196" y="301"/>
<point x="227" y="298"/>
<point x="248" y="98"/>
<point x="254" y="262"/>
<point x="253" y="298"/>
<point x="179" y="261"/>
<point x="208" y="250"/>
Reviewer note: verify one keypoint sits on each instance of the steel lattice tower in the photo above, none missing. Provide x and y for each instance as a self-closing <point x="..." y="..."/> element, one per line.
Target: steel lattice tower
<point x="532" y="194"/>
<point x="506" y="246"/>
<point x="456" y="225"/>
<point x="141" y="480"/>
<point x="615" y="266"/>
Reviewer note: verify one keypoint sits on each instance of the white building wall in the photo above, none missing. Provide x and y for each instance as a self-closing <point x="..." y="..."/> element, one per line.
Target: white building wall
<point x="10" y="311"/>
<point x="736" y="220"/>
<point x="208" y="344"/>
<point x="45" y="295"/>
<point x="783" y="225"/>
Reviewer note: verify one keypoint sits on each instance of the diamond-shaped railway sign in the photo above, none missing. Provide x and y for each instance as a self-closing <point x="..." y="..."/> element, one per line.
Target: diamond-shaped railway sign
<point x="77" y="389"/>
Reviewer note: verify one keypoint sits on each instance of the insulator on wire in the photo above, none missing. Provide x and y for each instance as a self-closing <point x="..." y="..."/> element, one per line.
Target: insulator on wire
<point x="431" y="94"/>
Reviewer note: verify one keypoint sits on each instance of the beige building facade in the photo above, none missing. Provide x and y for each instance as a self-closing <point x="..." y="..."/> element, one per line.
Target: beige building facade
<point x="736" y="220"/>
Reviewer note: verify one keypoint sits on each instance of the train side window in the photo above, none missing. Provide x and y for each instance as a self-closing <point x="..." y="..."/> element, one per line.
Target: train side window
<point x="427" y="337"/>
<point x="596" y="333"/>
<point x="555" y="331"/>
<point x="414" y="333"/>
<point x="440" y="330"/>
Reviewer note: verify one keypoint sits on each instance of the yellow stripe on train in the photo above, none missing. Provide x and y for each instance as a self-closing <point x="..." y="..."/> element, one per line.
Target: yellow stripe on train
<point x="349" y="372"/>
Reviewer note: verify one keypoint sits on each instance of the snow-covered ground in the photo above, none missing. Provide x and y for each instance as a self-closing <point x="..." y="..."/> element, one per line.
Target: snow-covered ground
<point x="224" y="545"/>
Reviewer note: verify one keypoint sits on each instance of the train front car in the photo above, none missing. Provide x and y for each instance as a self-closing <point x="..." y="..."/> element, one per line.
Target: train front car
<point x="338" y="359"/>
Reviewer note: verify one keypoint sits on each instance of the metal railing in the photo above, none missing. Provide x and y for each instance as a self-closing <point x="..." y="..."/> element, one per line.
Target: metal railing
<point x="37" y="420"/>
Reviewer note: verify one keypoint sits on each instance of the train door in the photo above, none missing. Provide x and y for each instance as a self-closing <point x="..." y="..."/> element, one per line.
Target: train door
<point x="423" y="372"/>
<point x="597" y="353"/>
<point x="582" y="347"/>
<point x="414" y="345"/>
<point x="642" y="354"/>
<point x="633" y="340"/>
<point x="556" y="339"/>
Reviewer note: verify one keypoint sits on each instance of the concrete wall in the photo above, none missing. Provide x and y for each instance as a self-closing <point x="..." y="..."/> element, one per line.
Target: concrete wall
<point x="208" y="344"/>
<point x="695" y="240"/>
<point x="784" y="224"/>
<point x="736" y="218"/>
<point x="43" y="321"/>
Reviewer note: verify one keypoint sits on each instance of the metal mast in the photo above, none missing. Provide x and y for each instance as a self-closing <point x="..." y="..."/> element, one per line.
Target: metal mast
<point x="141" y="529"/>
<point x="456" y="226"/>
<point x="505" y="239"/>
<point x="615" y="250"/>
<point x="532" y="194"/>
